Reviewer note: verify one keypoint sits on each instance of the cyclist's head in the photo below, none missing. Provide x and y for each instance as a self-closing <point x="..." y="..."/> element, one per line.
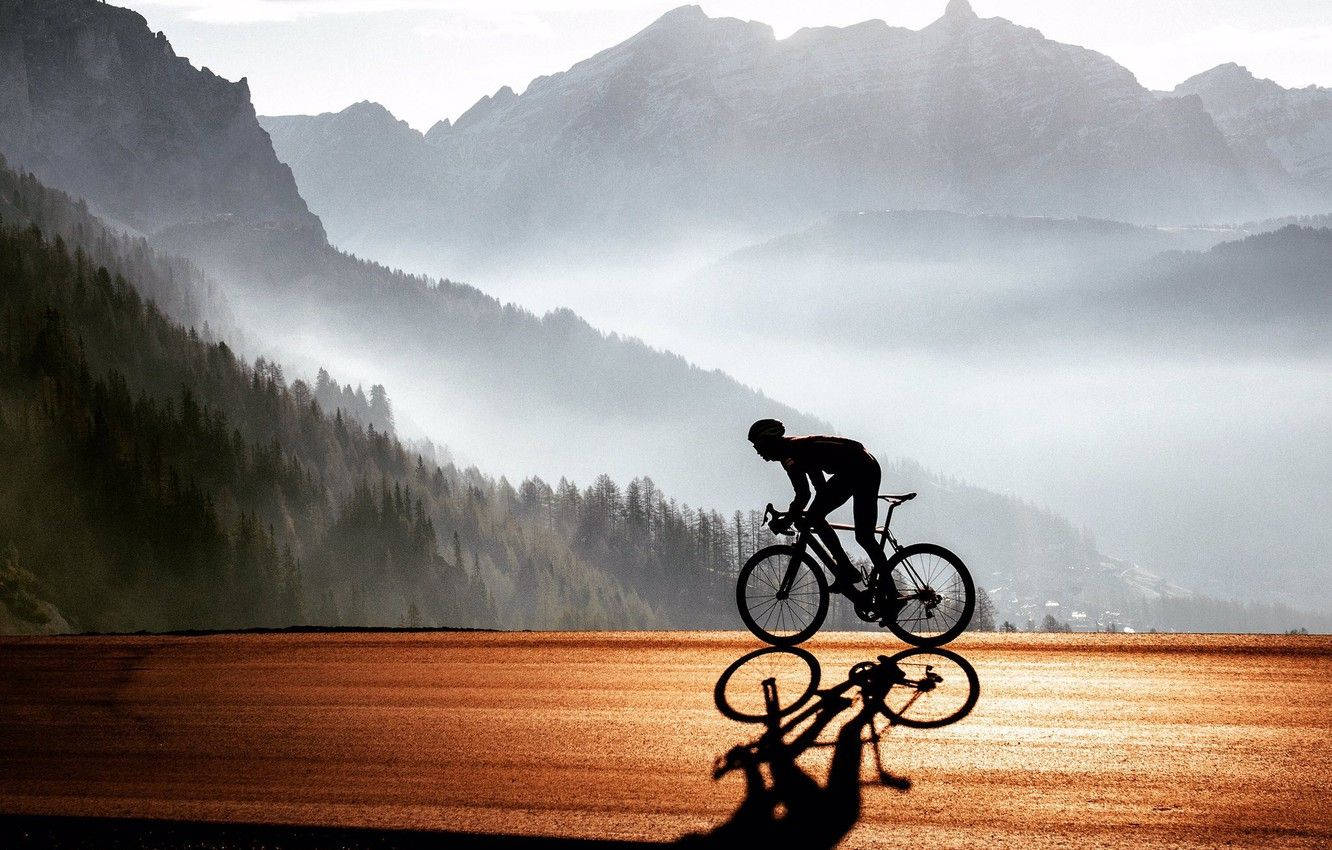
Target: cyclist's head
<point x="766" y="435"/>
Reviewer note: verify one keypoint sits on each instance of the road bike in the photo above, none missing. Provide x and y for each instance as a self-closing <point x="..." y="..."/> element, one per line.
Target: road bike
<point x="926" y="599"/>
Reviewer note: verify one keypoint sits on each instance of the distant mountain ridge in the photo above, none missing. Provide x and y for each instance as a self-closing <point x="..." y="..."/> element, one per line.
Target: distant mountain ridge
<point x="1283" y="136"/>
<point x="700" y="122"/>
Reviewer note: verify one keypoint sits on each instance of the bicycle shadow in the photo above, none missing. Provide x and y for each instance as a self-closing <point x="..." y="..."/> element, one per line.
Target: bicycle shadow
<point x="793" y="809"/>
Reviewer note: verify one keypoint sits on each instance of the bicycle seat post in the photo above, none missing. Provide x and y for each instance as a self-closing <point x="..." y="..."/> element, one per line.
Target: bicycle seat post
<point x="887" y="521"/>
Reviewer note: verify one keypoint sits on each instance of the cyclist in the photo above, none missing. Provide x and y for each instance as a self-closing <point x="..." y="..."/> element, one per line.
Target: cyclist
<point x="852" y="473"/>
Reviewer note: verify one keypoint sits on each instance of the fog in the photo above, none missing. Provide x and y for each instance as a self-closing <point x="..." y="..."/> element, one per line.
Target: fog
<point x="1198" y="451"/>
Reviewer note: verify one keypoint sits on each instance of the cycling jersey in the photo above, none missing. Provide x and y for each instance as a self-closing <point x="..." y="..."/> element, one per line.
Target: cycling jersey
<point x="810" y="458"/>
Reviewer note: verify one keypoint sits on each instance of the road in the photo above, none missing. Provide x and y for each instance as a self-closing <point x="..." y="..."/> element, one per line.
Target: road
<point x="1085" y="740"/>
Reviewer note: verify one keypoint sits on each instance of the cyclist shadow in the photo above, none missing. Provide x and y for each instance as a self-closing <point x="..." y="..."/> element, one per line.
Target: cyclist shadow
<point x="793" y="809"/>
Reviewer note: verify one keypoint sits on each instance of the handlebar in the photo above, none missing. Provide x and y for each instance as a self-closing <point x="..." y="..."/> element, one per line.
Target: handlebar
<point x="771" y="515"/>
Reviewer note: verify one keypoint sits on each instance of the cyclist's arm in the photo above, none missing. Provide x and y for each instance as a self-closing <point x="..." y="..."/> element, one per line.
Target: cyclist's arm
<point x="800" y="482"/>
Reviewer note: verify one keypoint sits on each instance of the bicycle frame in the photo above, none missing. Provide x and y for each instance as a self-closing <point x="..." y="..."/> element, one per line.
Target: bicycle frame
<point x="808" y="539"/>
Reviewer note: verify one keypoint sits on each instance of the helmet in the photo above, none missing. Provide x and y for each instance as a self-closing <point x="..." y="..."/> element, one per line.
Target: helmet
<point x="765" y="429"/>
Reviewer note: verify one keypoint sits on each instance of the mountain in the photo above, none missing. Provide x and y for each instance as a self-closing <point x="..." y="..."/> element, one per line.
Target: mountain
<point x="1282" y="136"/>
<point x="895" y="281"/>
<point x="942" y="236"/>
<point x="522" y="393"/>
<point x="363" y="145"/>
<point x="92" y="101"/>
<point x="1278" y="281"/>
<point x="699" y="125"/>
<point x="958" y="281"/>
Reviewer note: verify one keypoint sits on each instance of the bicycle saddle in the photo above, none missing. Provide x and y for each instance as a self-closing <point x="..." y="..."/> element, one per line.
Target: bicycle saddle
<point x="897" y="499"/>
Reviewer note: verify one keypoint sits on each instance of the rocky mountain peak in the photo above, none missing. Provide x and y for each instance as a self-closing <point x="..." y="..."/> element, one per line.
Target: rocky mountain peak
<point x="439" y="128"/>
<point x="1231" y="70"/>
<point x="370" y="109"/>
<point x="484" y="107"/>
<point x="959" y="10"/>
<point x="1227" y="86"/>
<point x="970" y="113"/>
<point x="681" y="16"/>
<point x="689" y="28"/>
<point x="374" y="121"/>
<point x="371" y="112"/>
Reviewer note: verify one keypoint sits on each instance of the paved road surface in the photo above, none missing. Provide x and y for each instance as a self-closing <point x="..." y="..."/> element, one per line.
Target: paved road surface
<point x="1082" y="740"/>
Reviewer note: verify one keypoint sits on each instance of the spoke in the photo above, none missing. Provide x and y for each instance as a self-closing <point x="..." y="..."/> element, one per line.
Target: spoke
<point x="767" y="614"/>
<point x="765" y="608"/>
<point x="809" y="607"/>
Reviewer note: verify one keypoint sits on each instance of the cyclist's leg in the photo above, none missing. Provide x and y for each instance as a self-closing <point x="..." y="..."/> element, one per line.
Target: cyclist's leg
<point x="829" y="498"/>
<point x="865" y="509"/>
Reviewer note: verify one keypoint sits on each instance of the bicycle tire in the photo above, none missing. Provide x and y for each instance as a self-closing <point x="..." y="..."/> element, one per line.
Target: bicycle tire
<point x="774" y="613"/>
<point x="736" y="711"/>
<point x="913" y="611"/>
<point x="973" y="690"/>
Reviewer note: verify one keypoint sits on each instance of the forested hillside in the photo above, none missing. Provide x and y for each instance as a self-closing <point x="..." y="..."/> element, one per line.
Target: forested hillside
<point x="175" y="285"/>
<point x="154" y="480"/>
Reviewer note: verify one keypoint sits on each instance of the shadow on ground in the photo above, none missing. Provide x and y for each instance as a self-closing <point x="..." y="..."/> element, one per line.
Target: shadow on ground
<point x="783" y="806"/>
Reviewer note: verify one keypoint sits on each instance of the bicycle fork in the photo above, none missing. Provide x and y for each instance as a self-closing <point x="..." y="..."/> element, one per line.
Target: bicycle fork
<point x="792" y="568"/>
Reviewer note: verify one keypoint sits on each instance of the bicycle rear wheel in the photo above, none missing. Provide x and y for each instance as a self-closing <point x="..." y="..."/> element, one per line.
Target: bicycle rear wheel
<point x="938" y="591"/>
<point x="782" y="618"/>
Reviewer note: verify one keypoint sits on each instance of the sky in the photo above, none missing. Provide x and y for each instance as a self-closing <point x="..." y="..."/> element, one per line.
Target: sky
<point x="432" y="59"/>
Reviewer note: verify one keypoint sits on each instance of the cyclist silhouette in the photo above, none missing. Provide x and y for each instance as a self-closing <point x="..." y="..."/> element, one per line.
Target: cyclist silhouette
<point x="851" y="473"/>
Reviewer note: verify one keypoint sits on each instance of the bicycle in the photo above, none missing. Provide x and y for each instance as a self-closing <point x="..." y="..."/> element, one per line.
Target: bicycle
<point x="782" y="592"/>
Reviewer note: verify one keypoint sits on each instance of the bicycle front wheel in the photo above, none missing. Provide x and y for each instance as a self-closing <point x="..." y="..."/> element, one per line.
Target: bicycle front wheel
<point x="938" y="687"/>
<point x="938" y="594"/>
<point x="782" y="595"/>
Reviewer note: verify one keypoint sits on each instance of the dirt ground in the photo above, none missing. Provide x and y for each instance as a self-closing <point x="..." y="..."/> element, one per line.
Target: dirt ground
<point x="1074" y="740"/>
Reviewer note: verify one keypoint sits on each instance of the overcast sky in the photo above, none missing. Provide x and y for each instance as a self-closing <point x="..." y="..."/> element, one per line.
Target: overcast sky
<point x="432" y="59"/>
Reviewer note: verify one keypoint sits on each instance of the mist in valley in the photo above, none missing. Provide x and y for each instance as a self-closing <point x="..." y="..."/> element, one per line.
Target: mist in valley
<point x="1030" y="362"/>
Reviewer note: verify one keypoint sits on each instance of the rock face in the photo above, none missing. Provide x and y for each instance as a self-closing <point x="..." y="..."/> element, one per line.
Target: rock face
<point x="714" y="123"/>
<point x="94" y="102"/>
<point x="1282" y="136"/>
